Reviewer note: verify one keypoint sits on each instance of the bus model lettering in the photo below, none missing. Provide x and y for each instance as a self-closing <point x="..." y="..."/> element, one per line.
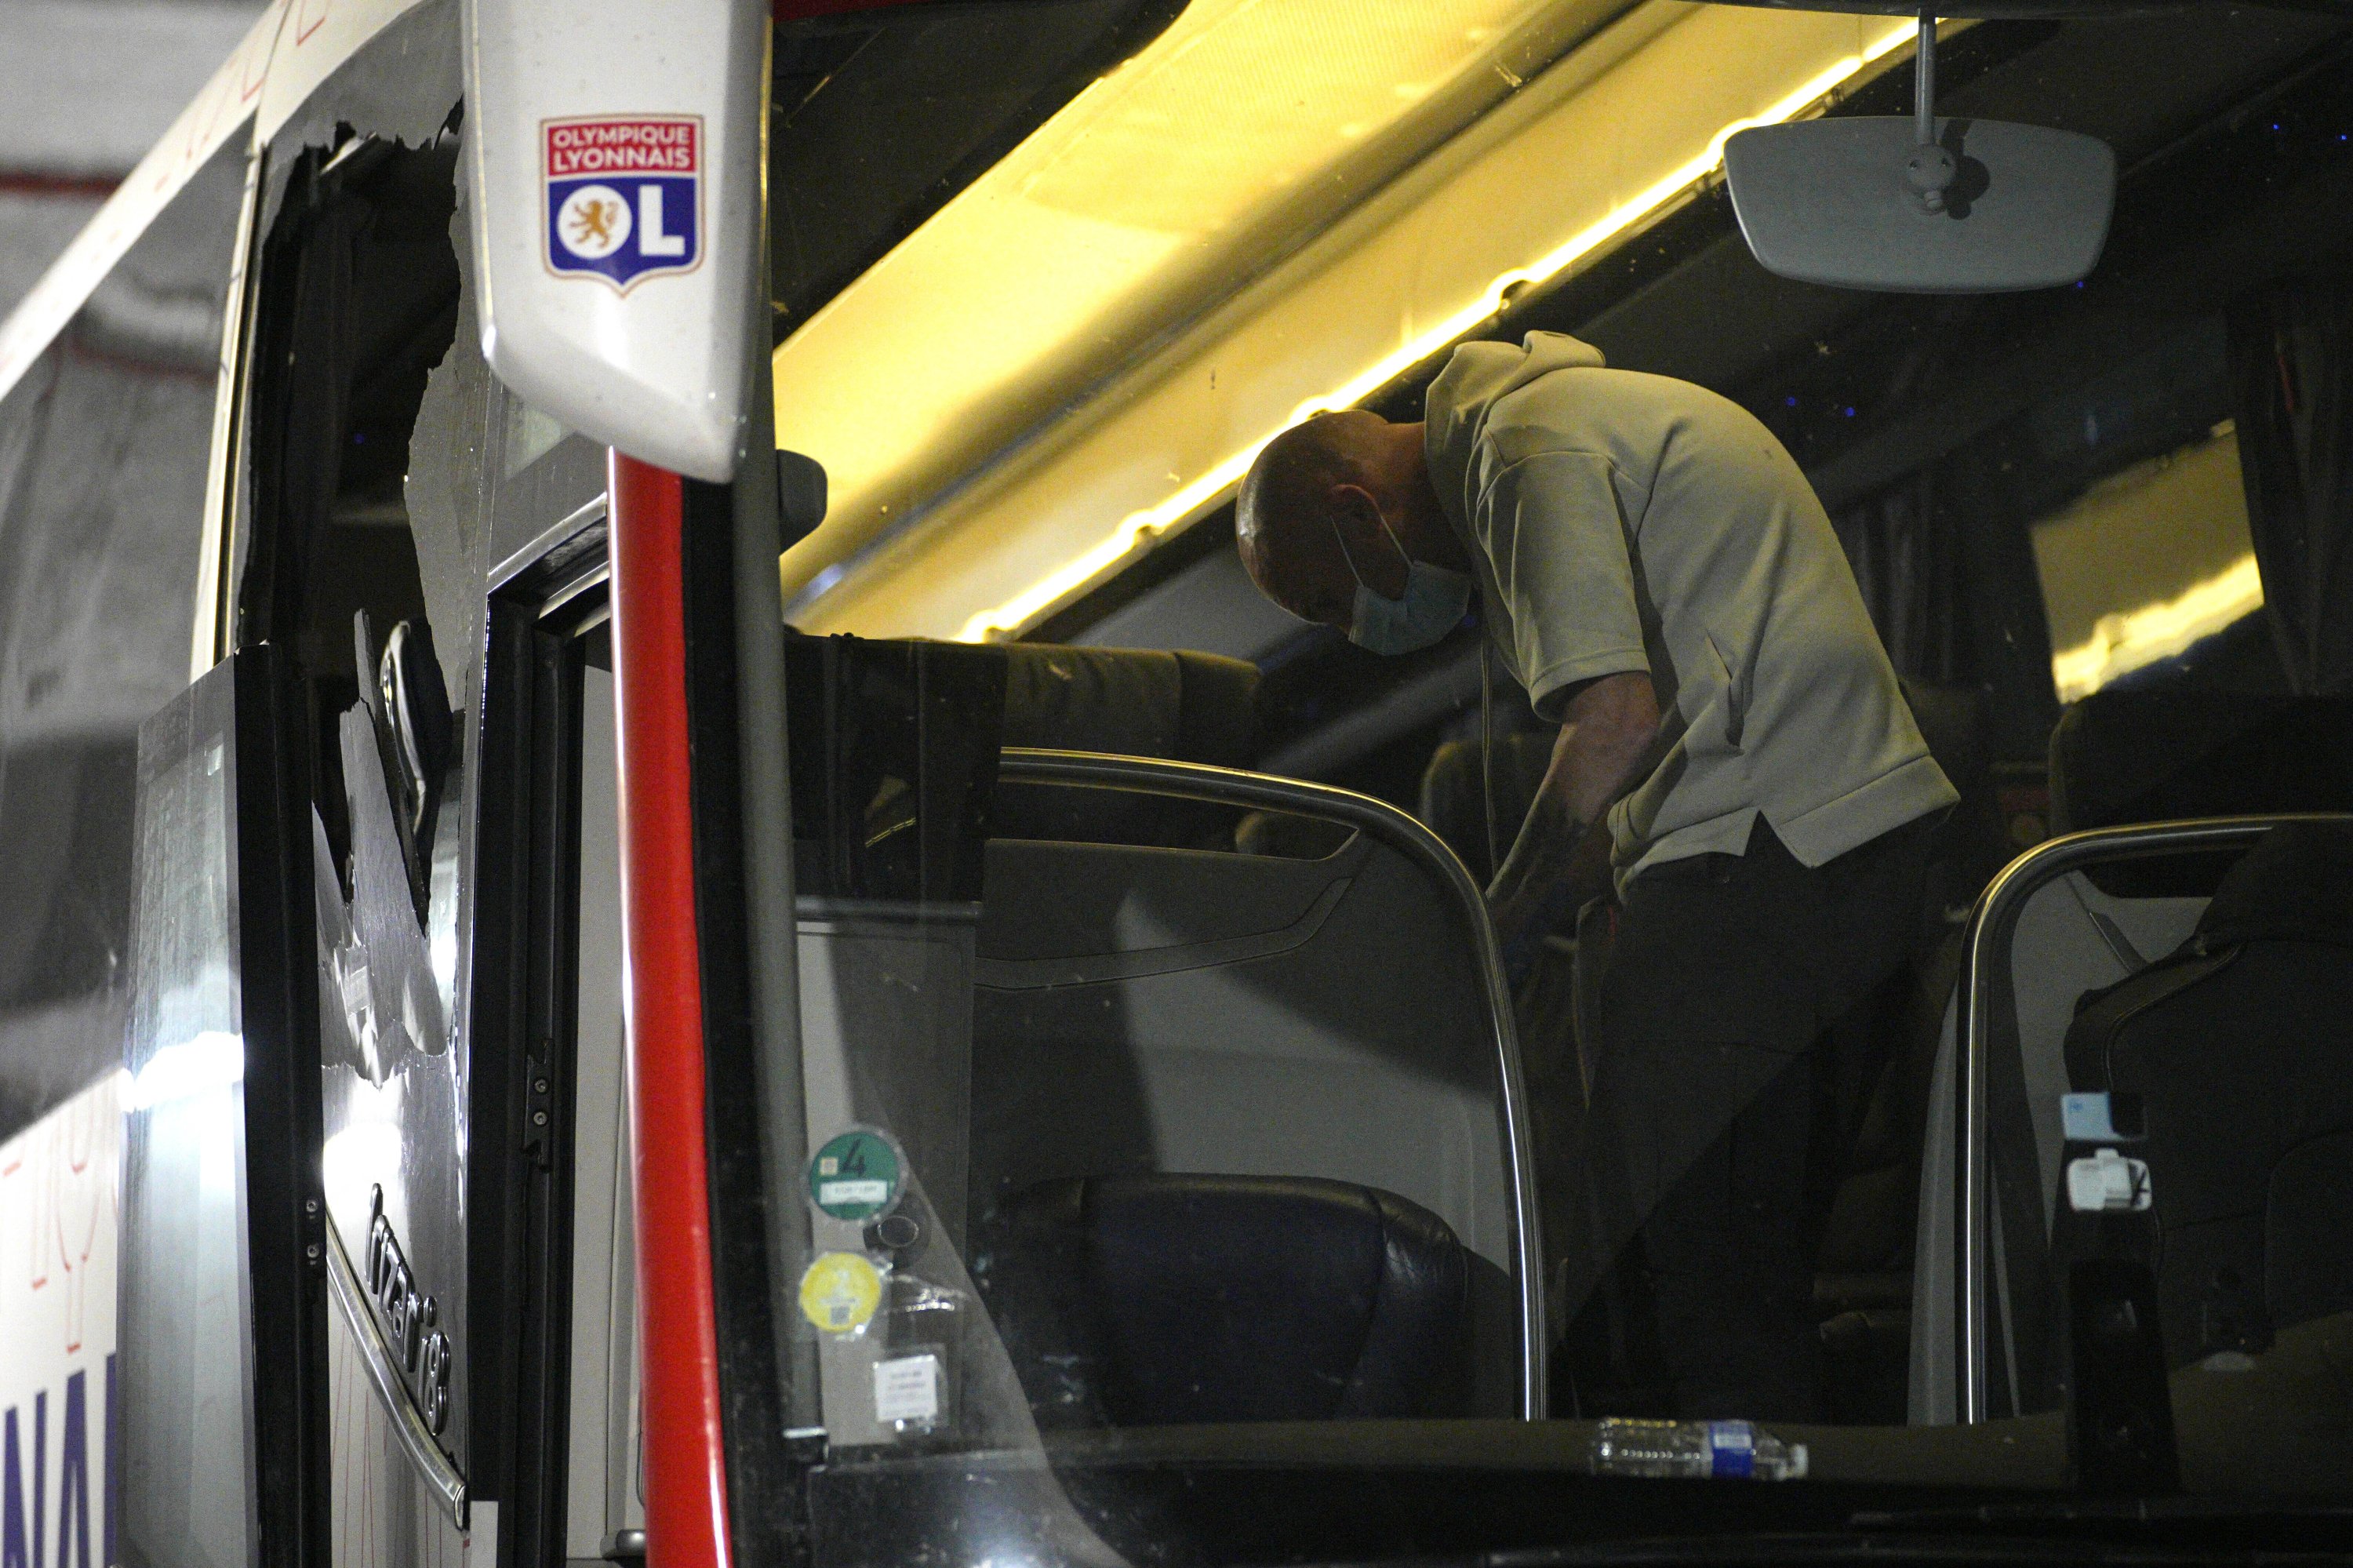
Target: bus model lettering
<point x="409" y="1316"/>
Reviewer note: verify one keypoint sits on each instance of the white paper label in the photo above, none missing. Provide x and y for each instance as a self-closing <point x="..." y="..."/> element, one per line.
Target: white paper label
<point x="853" y="1193"/>
<point x="907" y="1389"/>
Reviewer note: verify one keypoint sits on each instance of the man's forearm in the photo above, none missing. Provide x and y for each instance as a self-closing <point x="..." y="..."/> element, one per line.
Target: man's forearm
<point x="1561" y="857"/>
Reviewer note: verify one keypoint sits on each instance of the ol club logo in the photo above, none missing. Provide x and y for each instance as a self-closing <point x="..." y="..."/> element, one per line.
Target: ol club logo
<point x="623" y="196"/>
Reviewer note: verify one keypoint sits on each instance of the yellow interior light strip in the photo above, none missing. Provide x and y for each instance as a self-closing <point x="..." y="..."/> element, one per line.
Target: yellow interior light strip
<point x="1133" y="534"/>
<point x="1140" y="528"/>
<point x="2128" y="641"/>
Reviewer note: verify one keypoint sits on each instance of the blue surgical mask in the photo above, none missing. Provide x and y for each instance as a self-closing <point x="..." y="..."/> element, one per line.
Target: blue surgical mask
<point x="1435" y="600"/>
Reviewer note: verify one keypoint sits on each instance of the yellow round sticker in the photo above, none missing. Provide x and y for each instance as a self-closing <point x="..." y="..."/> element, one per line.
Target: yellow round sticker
<point x="840" y="1291"/>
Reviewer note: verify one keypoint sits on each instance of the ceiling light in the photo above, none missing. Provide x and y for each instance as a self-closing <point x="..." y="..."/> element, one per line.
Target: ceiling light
<point x="1020" y="612"/>
<point x="979" y="531"/>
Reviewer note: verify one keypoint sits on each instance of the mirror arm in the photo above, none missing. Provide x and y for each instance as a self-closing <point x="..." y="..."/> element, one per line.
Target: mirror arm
<point x="1923" y="101"/>
<point x="1931" y="170"/>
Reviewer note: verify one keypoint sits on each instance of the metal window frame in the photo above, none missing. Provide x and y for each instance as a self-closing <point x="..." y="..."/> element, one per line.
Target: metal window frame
<point x="1993" y="925"/>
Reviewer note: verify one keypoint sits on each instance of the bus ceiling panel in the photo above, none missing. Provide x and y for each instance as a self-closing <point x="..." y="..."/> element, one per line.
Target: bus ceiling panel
<point x="2217" y="215"/>
<point x="1087" y="472"/>
<point x="1690" y="301"/>
<point x="882" y="116"/>
<point x="1083" y="350"/>
<point x="1209" y="606"/>
<point x="2203" y="213"/>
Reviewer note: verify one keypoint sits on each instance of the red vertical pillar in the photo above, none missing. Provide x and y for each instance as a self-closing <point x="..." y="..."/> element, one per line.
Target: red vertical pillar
<point x="686" y="1482"/>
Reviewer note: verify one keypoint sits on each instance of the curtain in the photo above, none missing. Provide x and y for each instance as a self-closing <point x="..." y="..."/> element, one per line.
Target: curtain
<point x="2292" y="371"/>
<point x="1904" y="554"/>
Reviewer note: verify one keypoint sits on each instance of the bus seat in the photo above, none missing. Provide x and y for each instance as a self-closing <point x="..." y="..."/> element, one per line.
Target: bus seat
<point x="2073" y="937"/>
<point x="2241" y="1051"/>
<point x="868" y="770"/>
<point x="1147" y="1012"/>
<point x="1148" y="1300"/>
<point x="1881" y="1054"/>
<point x="1183" y="706"/>
<point x="2146" y="756"/>
<point x="1880" y="1062"/>
<point x="1554" y="999"/>
<point x="1449" y="804"/>
<point x="1186" y="706"/>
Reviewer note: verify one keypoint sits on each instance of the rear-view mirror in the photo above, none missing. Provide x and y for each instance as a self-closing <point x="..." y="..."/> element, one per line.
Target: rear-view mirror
<point x="1986" y="207"/>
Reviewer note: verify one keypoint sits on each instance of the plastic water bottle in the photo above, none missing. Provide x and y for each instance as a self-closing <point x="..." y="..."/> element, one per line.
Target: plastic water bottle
<point x="1695" y="1448"/>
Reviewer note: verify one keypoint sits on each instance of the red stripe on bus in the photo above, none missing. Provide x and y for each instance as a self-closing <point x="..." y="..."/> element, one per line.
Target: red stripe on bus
<point x="686" y="1483"/>
<point x="84" y="188"/>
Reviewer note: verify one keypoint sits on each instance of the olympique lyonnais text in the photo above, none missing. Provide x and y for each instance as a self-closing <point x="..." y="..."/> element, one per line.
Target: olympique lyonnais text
<point x="623" y="147"/>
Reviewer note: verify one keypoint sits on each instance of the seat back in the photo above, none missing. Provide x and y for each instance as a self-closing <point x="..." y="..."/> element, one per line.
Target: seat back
<point x="2239" y="1051"/>
<point x="1153" y="1012"/>
<point x="1145" y="1300"/>
<point x="1043" y="963"/>
<point x="2157" y="756"/>
<point x="2064" y="938"/>
<point x="2071" y="919"/>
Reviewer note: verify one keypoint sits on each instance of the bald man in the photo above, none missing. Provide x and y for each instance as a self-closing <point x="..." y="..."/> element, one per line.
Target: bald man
<point x="1735" y="756"/>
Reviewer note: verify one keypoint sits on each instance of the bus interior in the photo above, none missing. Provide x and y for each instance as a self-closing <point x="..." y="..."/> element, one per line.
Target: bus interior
<point x="1123" y="1025"/>
<point x="1142" y="926"/>
<point x="2069" y="512"/>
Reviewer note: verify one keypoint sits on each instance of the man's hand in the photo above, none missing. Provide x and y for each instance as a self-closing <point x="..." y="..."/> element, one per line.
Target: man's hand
<point x="1609" y="735"/>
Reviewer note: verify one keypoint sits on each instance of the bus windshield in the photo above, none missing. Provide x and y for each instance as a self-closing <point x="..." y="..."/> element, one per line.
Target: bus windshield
<point x="1455" y="852"/>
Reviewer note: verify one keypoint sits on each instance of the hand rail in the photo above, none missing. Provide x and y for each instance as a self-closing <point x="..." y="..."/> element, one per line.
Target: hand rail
<point x="1230" y="786"/>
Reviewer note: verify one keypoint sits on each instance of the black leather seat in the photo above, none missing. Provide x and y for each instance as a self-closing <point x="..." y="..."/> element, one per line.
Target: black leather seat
<point x="1147" y="1300"/>
<point x="2241" y="1051"/>
<point x="1187" y="706"/>
<point x="2144" y="756"/>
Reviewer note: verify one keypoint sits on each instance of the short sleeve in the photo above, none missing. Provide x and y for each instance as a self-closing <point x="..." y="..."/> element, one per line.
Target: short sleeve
<point x="1557" y="540"/>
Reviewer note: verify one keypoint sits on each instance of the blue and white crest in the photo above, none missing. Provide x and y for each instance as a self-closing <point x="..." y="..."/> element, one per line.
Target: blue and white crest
<point x="623" y="196"/>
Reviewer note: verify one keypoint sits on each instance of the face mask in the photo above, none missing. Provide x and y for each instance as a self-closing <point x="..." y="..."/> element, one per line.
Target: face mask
<point x="1434" y="603"/>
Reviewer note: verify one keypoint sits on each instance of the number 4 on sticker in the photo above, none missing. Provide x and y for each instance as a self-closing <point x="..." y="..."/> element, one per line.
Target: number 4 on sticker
<point x="857" y="1177"/>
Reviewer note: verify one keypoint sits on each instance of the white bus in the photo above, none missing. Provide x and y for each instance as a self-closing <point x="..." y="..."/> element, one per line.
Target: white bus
<point x="667" y="897"/>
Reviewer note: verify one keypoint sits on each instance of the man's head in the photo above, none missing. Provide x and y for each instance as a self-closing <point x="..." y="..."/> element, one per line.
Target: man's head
<point x="1341" y="501"/>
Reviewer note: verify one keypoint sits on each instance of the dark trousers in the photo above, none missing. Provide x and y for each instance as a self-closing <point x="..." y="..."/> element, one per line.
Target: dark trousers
<point x="1690" y="1250"/>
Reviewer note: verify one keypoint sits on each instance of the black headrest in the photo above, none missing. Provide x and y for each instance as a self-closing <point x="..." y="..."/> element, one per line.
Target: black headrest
<point x="2297" y="883"/>
<point x="2144" y="756"/>
<point x="1145" y="1300"/>
<point x="1192" y="707"/>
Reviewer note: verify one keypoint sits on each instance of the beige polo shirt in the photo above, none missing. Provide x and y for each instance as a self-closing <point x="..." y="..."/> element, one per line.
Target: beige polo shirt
<point x="1623" y="521"/>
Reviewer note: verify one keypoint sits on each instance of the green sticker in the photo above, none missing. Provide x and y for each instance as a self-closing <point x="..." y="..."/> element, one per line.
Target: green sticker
<point x="856" y="1176"/>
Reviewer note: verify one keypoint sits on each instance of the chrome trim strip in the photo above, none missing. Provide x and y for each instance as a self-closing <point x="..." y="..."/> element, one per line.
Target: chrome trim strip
<point x="1196" y="781"/>
<point x="1991" y="925"/>
<point x="432" y="1465"/>
<point x="585" y="515"/>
